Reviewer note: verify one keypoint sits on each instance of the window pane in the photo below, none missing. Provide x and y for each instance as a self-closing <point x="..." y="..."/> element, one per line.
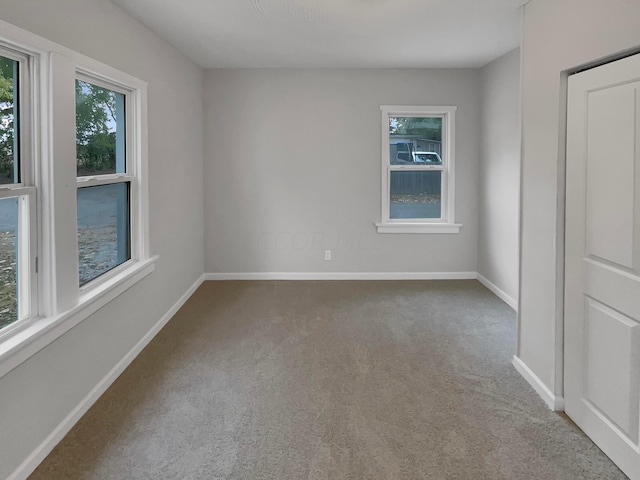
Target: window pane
<point x="100" y="130"/>
<point x="9" y="163"/>
<point x="104" y="240"/>
<point x="415" y="194"/>
<point x="8" y="255"/>
<point x="415" y="140"/>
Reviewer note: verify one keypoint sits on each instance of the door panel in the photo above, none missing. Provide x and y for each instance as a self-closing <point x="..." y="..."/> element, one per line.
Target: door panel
<point x="611" y="366"/>
<point x="602" y="259"/>
<point x="612" y="287"/>
<point x="610" y="179"/>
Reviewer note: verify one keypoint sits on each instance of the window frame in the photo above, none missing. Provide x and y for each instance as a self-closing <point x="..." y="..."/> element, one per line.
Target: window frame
<point x="25" y="190"/>
<point x="61" y="303"/>
<point x="131" y="172"/>
<point x="446" y="222"/>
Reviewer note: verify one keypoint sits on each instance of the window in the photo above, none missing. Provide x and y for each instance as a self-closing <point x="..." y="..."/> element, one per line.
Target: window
<point x="66" y="120"/>
<point x="418" y="170"/>
<point x="104" y="179"/>
<point x="17" y="193"/>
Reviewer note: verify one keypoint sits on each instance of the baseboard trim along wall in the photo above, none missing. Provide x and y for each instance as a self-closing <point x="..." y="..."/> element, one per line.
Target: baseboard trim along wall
<point x="343" y="276"/>
<point x="501" y="294"/>
<point x="39" y="454"/>
<point x="554" y="402"/>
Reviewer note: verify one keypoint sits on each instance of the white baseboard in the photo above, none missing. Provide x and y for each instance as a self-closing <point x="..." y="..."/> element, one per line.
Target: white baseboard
<point x="501" y="294"/>
<point x="554" y="402"/>
<point x="27" y="467"/>
<point x="342" y="276"/>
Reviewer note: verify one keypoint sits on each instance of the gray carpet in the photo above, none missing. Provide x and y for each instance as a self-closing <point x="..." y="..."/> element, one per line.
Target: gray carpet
<point x="328" y="380"/>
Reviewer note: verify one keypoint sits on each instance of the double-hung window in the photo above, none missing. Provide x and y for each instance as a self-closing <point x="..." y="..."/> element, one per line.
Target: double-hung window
<point x="17" y="191"/>
<point x="105" y="177"/>
<point x="418" y="174"/>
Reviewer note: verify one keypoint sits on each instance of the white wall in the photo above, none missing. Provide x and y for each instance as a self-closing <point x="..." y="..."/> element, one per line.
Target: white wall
<point x="499" y="178"/>
<point x="37" y="395"/>
<point x="558" y="35"/>
<point x="292" y="167"/>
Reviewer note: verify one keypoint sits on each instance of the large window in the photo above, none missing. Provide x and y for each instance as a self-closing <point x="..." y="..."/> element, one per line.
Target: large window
<point x="418" y="170"/>
<point x="73" y="191"/>
<point x="17" y="193"/>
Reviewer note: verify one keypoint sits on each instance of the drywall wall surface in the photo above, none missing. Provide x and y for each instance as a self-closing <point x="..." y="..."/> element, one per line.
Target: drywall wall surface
<point x="499" y="178"/>
<point x="557" y="35"/>
<point x="293" y="168"/>
<point x="37" y="395"/>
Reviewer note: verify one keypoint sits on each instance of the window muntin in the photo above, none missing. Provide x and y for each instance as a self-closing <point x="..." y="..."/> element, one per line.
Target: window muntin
<point x="104" y="182"/>
<point x="417" y="169"/>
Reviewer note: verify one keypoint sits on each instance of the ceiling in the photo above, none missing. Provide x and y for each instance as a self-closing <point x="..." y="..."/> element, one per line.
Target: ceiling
<point x="334" y="33"/>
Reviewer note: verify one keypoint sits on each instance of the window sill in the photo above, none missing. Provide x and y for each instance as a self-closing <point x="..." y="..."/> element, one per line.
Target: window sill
<point x="408" y="227"/>
<point x="23" y="343"/>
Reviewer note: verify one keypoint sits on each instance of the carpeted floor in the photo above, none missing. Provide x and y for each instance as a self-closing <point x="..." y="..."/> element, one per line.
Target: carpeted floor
<point x="328" y="380"/>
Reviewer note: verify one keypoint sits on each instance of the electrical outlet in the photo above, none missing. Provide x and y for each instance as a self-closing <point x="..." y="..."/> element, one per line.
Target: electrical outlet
<point x="327" y="254"/>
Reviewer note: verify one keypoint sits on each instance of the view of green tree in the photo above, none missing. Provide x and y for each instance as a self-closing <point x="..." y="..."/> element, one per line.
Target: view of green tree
<point x="429" y="128"/>
<point x="6" y="120"/>
<point x="95" y="129"/>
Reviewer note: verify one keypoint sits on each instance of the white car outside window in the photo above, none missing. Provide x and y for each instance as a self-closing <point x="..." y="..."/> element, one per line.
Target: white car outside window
<point x="427" y="157"/>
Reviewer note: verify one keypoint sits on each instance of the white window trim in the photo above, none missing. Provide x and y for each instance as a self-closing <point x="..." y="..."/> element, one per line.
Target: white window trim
<point x="25" y="190"/>
<point x="133" y="171"/>
<point x="446" y="224"/>
<point x="62" y="304"/>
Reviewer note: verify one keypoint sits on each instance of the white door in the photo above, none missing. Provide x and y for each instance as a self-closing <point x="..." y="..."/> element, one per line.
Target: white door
<point x="602" y="269"/>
